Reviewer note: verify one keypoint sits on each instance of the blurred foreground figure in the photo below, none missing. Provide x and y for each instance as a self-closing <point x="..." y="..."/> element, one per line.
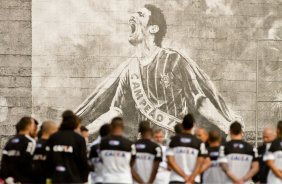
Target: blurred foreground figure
<point x="84" y="133"/>
<point x="163" y="174"/>
<point x="117" y="154"/>
<point x="202" y="134"/>
<point x="148" y="157"/>
<point x="97" y="175"/>
<point x="268" y="136"/>
<point x="17" y="154"/>
<point x="66" y="154"/>
<point x="186" y="154"/>
<point x="39" y="165"/>
<point x="212" y="171"/>
<point x="273" y="158"/>
<point x="238" y="159"/>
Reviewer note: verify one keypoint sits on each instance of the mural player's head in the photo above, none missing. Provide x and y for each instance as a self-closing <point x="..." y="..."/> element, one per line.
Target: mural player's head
<point x="147" y="23"/>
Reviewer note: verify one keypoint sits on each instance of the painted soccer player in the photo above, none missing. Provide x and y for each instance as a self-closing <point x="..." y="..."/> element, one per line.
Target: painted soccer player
<point x="156" y="84"/>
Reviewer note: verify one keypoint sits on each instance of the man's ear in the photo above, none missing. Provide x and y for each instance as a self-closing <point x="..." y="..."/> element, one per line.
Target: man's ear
<point x="154" y="29"/>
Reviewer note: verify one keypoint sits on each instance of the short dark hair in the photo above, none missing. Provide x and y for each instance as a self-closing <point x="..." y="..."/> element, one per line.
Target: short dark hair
<point x="235" y="128"/>
<point x="117" y="122"/>
<point x="178" y="128"/>
<point x="188" y="122"/>
<point x="83" y="129"/>
<point x="143" y="125"/>
<point x="157" y="18"/>
<point x="279" y="128"/>
<point x="70" y="121"/>
<point x="105" y="130"/>
<point x="214" y="136"/>
<point x="23" y="123"/>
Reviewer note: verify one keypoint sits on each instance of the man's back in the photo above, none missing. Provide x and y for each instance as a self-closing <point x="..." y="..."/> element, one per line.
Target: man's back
<point x="17" y="158"/>
<point x="67" y="157"/>
<point x="116" y="153"/>
<point x="214" y="173"/>
<point x="39" y="170"/>
<point x="146" y="153"/>
<point x="275" y="154"/>
<point x="185" y="148"/>
<point x="239" y="156"/>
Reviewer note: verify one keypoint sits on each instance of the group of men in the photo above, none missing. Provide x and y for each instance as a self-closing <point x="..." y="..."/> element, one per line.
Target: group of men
<point x="203" y="157"/>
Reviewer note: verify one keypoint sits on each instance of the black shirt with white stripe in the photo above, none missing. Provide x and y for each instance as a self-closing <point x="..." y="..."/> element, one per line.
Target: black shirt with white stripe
<point x="275" y="154"/>
<point x="239" y="156"/>
<point x="17" y="158"/>
<point x="147" y="152"/>
<point x="39" y="166"/>
<point x="116" y="153"/>
<point x="186" y="148"/>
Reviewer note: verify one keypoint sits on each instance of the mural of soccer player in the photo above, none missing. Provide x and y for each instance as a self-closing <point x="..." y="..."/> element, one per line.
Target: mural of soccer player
<point x="156" y="84"/>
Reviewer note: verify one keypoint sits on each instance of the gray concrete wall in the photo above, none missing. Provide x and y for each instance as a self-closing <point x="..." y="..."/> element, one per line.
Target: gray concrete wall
<point x="76" y="44"/>
<point x="15" y="64"/>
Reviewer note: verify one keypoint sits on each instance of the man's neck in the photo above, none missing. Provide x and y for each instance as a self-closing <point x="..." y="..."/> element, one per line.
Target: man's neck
<point x="214" y="144"/>
<point x="44" y="136"/>
<point x="24" y="132"/>
<point x="145" y="51"/>
<point x="236" y="137"/>
<point x="187" y="131"/>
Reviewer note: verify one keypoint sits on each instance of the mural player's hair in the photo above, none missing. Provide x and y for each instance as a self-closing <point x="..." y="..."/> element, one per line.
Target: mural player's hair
<point x="157" y="18"/>
<point x="279" y="129"/>
<point x="70" y="121"/>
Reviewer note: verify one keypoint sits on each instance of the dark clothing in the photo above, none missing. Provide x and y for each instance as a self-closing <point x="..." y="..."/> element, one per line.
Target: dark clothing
<point x="261" y="176"/>
<point x="17" y="158"/>
<point x="67" y="157"/>
<point x="39" y="166"/>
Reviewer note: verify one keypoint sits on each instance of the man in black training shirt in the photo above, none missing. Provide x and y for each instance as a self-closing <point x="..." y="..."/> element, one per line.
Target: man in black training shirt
<point x="67" y="152"/>
<point x="148" y="157"/>
<point x="273" y="158"/>
<point x="238" y="159"/>
<point x="17" y="154"/>
<point x="213" y="173"/>
<point x="39" y="165"/>
<point x="268" y="136"/>
<point x="117" y="155"/>
<point x="186" y="154"/>
<point x="97" y="175"/>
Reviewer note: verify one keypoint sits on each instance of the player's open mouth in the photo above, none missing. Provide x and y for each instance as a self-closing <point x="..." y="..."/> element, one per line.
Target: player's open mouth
<point x="132" y="24"/>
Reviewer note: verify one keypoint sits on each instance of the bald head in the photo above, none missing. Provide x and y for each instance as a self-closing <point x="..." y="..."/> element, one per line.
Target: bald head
<point x="268" y="135"/>
<point x="48" y="128"/>
<point x="202" y="134"/>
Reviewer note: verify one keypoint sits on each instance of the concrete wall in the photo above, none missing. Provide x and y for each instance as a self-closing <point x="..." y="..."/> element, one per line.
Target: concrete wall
<point x="75" y="44"/>
<point x="15" y="64"/>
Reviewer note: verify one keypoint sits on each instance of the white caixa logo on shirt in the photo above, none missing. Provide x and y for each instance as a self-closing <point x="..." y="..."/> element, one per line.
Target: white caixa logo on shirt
<point x="114" y="142"/>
